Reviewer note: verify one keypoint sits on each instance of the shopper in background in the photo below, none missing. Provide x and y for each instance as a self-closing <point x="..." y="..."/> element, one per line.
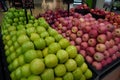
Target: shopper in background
<point x="3" y="4"/>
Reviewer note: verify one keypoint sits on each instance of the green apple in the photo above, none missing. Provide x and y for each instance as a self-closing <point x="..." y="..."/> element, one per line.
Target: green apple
<point x="44" y="34"/>
<point x="58" y="78"/>
<point x="82" y="77"/>
<point x="28" y="45"/>
<point x="45" y="52"/>
<point x="9" y="21"/>
<point x="88" y="74"/>
<point x="39" y="44"/>
<point x="84" y="67"/>
<point x="11" y="28"/>
<point x="20" y="32"/>
<point x="25" y="70"/>
<point x="52" y="32"/>
<point x="58" y="37"/>
<point x="72" y="51"/>
<point x="68" y="76"/>
<point x="34" y="36"/>
<point x="6" y="47"/>
<point x="12" y="49"/>
<point x="37" y="66"/>
<point x="31" y="21"/>
<point x="53" y="48"/>
<point x="43" y="23"/>
<point x="21" y="60"/>
<point x="13" y="56"/>
<point x="21" y="18"/>
<point x="60" y="70"/>
<point x="30" y="55"/>
<point x="62" y="56"/>
<point x="16" y="20"/>
<point x="9" y="43"/>
<point x="49" y="40"/>
<point x="12" y="75"/>
<point x="10" y="67"/>
<point x="79" y="60"/>
<point x="77" y="73"/>
<point x="19" y="27"/>
<point x="51" y="60"/>
<point x="14" y="24"/>
<point x="19" y="51"/>
<point x="29" y="25"/>
<point x="15" y="63"/>
<point x="20" y="23"/>
<point x="14" y="38"/>
<point x="64" y="43"/>
<point x="18" y="73"/>
<point x="22" y="39"/>
<point x="32" y="17"/>
<point x="24" y="78"/>
<point x="36" y="21"/>
<point x="48" y="74"/>
<point x="34" y="77"/>
<point x="16" y="14"/>
<point x="16" y="45"/>
<point x="7" y="52"/>
<point x="35" y="24"/>
<point x="21" y="13"/>
<point x="40" y="29"/>
<point x="39" y="53"/>
<point x="71" y="65"/>
<point x="9" y="60"/>
<point x="30" y="30"/>
<point x="8" y="37"/>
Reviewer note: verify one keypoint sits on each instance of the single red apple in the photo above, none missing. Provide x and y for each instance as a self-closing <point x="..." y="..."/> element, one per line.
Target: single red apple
<point x="98" y="56"/>
<point x="90" y="51"/>
<point x="89" y="59"/>
<point x="85" y="37"/>
<point x="73" y="36"/>
<point x="106" y="54"/>
<point x="97" y="65"/>
<point x="84" y="45"/>
<point x="93" y="33"/>
<point x="83" y="53"/>
<point x="78" y="41"/>
<point x="79" y="33"/>
<point x="100" y="47"/>
<point x="92" y="42"/>
<point x="101" y="38"/>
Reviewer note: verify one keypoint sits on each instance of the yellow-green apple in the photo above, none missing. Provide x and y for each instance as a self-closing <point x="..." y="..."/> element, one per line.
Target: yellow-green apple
<point x="79" y="60"/>
<point x="84" y="67"/>
<point x="64" y="43"/>
<point x="88" y="74"/>
<point x="68" y="76"/>
<point x="25" y="70"/>
<point x="77" y="73"/>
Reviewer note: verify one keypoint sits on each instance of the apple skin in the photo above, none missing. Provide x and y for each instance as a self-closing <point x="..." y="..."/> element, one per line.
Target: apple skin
<point x="117" y="40"/>
<point x="83" y="53"/>
<point x="100" y="47"/>
<point x="109" y="60"/>
<point x="92" y="42"/>
<point x="68" y="32"/>
<point x="98" y="56"/>
<point x="90" y="51"/>
<point x="72" y="42"/>
<point x="109" y="35"/>
<point x="107" y="44"/>
<point x="86" y="29"/>
<point x="85" y="37"/>
<point x="102" y="29"/>
<point x="78" y="47"/>
<point x="97" y="65"/>
<point x="117" y="32"/>
<point x="115" y="47"/>
<point x="74" y="29"/>
<point x="78" y="41"/>
<point x="112" y="42"/>
<point x="117" y="54"/>
<point x="93" y="33"/>
<point x="84" y="45"/>
<point x="106" y="54"/>
<point x="73" y="36"/>
<point x="102" y="38"/>
<point x="111" y="51"/>
<point x="103" y="62"/>
<point x="89" y="59"/>
<point x="114" y="57"/>
<point x="79" y="33"/>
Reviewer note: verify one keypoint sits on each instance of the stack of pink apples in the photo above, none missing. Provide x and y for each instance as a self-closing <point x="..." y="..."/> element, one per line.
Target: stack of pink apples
<point x="98" y="41"/>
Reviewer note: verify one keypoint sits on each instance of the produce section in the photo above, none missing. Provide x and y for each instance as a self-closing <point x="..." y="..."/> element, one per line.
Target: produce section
<point x="84" y="45"/>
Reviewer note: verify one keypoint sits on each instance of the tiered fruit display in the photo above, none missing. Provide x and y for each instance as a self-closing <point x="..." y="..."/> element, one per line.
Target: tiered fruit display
<point x="98" y="41"/>
<point x="35" y="51"/>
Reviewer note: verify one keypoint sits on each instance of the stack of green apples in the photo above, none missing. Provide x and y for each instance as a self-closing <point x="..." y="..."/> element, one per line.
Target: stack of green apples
<point x="35" y="51"/>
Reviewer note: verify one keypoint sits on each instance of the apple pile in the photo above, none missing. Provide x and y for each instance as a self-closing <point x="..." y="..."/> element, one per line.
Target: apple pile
<point x="98" y="41"/>
<point x="38" y="52"/>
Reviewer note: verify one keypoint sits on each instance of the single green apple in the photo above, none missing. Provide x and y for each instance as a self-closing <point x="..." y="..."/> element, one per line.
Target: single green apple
<point x="68" y="76"/>
<point x="49" y="40"/>
<point x="84" y="67"/>
<point x="64" y="43"/>
<point x="88" y="74"/>
<point x="77" y="73"/>
<point x="79" y="60"/>
<point x="25" y="70"/>
<point x="21" y="60"/>
<point x="34" y="77"/>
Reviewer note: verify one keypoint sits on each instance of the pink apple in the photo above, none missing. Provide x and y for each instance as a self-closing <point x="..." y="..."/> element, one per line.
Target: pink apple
<point x="111" y="51"/>
<point x="93" y="33"/>
<point x="110" y="27"/>
<point x="106" y="54"/>
<point x="109" y="35"/>
<point x="102" y="29"/>
<point x="112" y="42"/>
<point x="107" y="44"/>
<point x="103" y="62"/>
<point x="114" y="57"/>
<point x="109" y="60"/>
<point x="79" y="33"/>
<point x="117" y="54"/>
<point x="68" y="38"/>
<point x="68" y="32"/>
<point x="78" y="47"/>
<point x="115" y="47"/>
<point x="117" y="32"/>
<point x="84" y="45"/>
<point x="102" y="38"/>
<point x="64" y="29"/>
<point x="98" y="56"/>
<point x="74" y="29"/>
<point x="92" y="42"/>
<point x="60" y="26"/>
<point x="85" y="37"/>
<point x="82" y="20"/>
<point x="90" y="51"/>
<point x="59" y="31"/>
<point x="78" y="41"/>
<point x="89" y="59"/>
<point x="100" y="47"/>
<point x="117" y="40"/>
<point x="64" y="35"/>
<point x="72" y="42"/>
<point x="97" y="65"/>
<point x="119" y="46"/>
<point x="83" y="53"/>
<point x="86" y="29"/>
<point x="73" y="36"/>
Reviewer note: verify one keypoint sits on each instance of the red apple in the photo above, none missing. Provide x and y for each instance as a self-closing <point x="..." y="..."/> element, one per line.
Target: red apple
<point x="110" y="27"/>
<point x="64" y="35"/>
<point x="85" y="37"/>
<point x="117" y="32"/>
<point x="60" y="26"/>
<point x="100" y="47"/>
<point x="98" y="56"/>
<point x="74" y="29"/>
<point x="114" y="57"/>
<point x="79" y="33"/>
<point x="102" y="29"/>
<point x="112" y="42"/>
<point x="64" y="29"/>
<point x="109" y="35"/>
<point x="92" y="42"/>
<point x="68" y="32"/>
<point x="102" y="38"/>
<point x="78" y="47"/>
<point x="107" y="44"/>
<point x="90" y="51"/>
<point x="59" y="31"/>
<point x="115" y="47"/>
<point x="119" y="46"/>
<point x="89" y="59"/>
<point x="72" y="42"/>
<point x="73" y="36"/>
<point x="109" y="60"/>
<point x="83" y="53"/>
<point x="86" y="29"/>
<point x="78" y="41"/>
<point x="117" y="40"/>
<point x="93" y="33"/>
<point x="106" y="54"/>
<point x="103" y="62"/>
<point x="84" y="45"/>
<point x="117" y="54"/>
<point x="97" y="65"/>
